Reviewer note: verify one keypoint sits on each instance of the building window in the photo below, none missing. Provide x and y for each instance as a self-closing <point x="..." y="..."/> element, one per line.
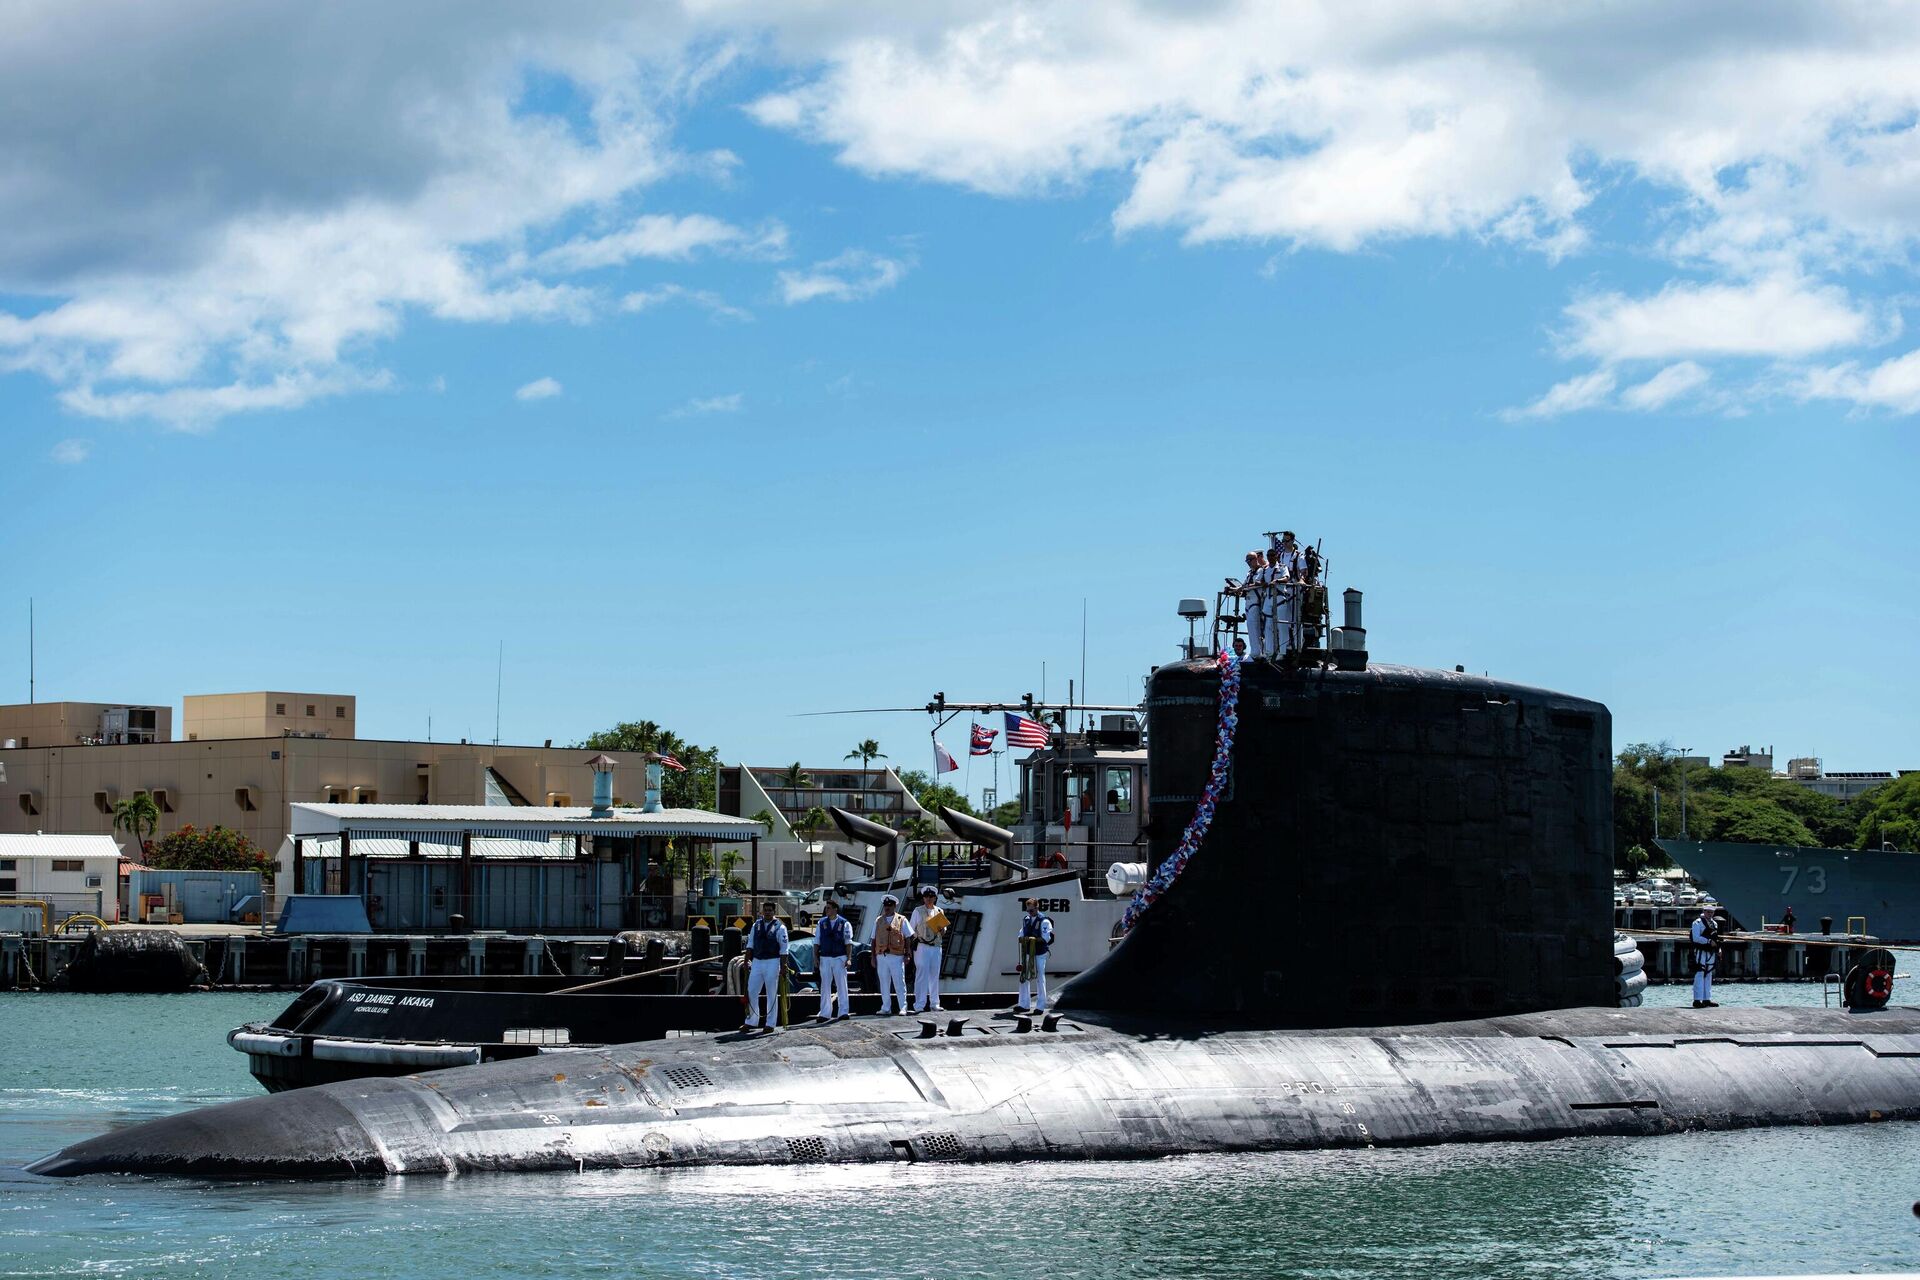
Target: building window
<point x="67" y="864"/>
<point x="309" y="708"/>
<point x="336" y="797"/>
<point x="93" y="882"/>
<point x="9" y="864"/>
<point x="8" y="884"/>
<point x="340" y="713"/>
<point x="279" y="708"/>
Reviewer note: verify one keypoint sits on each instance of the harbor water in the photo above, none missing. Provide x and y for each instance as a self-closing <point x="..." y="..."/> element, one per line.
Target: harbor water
<point x="1746" y="1203"/>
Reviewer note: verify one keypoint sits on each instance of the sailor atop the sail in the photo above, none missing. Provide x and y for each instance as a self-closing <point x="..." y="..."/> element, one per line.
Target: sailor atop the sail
<point x="1705" y="952"/>
<point x="1252" y="592"/>
<point x="1284" y="555"/>
<point x="833" y="942"/>
<point x="767" y="954"/>
<point x="890" y="941"/>
<point x="1036" y="939"/>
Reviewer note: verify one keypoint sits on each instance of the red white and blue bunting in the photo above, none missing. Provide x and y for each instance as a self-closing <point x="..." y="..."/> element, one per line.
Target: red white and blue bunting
<point x="1203" y="812"/>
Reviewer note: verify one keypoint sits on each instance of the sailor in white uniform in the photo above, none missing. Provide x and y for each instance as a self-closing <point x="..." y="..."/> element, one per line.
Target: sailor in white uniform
<point x="1705" y="952"/>
<point x="1253" y="598"/>
<point x="1036" y="939"/>
<point x="928" y="925"/>
<point x="1283" y="612"/>
<point x="767" y="955"/>
<point x="833" y="947"/>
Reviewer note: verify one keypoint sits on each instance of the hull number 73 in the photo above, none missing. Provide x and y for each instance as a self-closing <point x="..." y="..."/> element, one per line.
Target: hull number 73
<point x="1816" y="881"/>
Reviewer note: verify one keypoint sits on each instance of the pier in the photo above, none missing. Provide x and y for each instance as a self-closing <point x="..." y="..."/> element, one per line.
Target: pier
<point x="242" y="960"/>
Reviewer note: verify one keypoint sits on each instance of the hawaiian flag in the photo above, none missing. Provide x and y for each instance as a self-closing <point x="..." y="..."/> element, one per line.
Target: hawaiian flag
<point x="671" y="763"/>
<point x="982" y="744"/>
<point x="1025" y="731"/>
<point x="944" y="758"/>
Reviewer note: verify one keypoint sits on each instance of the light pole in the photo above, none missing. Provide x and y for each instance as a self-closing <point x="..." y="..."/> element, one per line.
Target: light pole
<point x="1683" y="791"/>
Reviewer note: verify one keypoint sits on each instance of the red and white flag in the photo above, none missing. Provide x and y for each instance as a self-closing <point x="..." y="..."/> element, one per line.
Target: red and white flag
<point x="943" y="758"/>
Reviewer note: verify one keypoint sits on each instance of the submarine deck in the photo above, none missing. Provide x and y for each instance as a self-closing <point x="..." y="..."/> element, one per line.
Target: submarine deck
<point x="873" y="1090"/>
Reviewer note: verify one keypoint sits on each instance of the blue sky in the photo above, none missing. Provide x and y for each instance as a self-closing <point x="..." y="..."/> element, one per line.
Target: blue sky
<point x="723" y="373"/>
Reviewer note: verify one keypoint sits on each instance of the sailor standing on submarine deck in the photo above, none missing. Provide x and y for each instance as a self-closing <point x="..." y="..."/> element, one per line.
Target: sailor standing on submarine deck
<point x="928" y="924"/>
<point x="1036" y="939"/>
<point x="833" y="942"/>
<point x="767" y="949"/>
<point x="890" y="941"/>
<point x="1705" y="953"/>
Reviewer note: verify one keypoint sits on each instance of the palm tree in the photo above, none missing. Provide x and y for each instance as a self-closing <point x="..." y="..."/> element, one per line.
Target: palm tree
<point x="766" y="819"/>
<point x="138" y="816"/>
<point x="918" y="827"/>
<point x="808" y="824"/>
<point x="728" y="861"/>
<point x="795" y="777"/>
<point x="867" y="752"/>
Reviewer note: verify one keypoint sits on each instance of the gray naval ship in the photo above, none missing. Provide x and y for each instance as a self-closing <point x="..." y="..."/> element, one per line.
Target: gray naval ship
<point x="1469" y="994"/>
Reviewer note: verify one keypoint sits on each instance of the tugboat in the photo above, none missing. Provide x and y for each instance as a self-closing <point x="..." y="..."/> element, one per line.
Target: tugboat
<point x="1476" y="1001"/>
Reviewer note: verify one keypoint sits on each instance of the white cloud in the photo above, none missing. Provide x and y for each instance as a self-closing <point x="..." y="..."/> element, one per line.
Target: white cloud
<point x="849" y="277"/>
<point x="706" y="299"/>
<point x="538" y="389"/>
<point x="1584" y="391"/>
<point x="658" y="236"/>
<point x="73" y="452"/>
<point x="1666" y="386"/>
<point x="731" y="403"/>
<point x="1892" y="384"/>
<point x="1775" y="316"/>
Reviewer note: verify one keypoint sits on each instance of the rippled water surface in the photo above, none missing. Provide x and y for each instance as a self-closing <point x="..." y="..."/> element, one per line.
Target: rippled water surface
<point x="1743" y="1203"/>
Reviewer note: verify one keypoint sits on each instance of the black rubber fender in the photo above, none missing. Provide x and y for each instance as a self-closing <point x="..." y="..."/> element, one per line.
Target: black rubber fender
<point x="1869" y="984"/>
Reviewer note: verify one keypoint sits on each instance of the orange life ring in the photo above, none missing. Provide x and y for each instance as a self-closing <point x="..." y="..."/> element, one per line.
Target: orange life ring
<point x="1056" y="861"/>
<point x="1878" y="985"/>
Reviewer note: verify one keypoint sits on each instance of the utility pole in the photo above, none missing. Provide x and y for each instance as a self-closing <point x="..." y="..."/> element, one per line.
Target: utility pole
<point x="1683" y="792"/>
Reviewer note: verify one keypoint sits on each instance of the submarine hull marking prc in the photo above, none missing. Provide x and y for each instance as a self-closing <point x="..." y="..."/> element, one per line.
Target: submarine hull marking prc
<point x="852" y="1093"/>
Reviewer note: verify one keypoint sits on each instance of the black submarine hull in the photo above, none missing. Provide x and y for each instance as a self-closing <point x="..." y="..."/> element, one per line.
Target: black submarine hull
<point x="1468" y="822"/>
<point x="1096" y="1088"/>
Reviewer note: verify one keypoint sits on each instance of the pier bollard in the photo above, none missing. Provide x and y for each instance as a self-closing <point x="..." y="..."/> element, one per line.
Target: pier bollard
<point x="297" y="960"/>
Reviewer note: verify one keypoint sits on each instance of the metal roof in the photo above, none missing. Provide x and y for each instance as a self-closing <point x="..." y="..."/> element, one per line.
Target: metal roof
<point x="57" y="846"/>
<point x="323" y="819"/>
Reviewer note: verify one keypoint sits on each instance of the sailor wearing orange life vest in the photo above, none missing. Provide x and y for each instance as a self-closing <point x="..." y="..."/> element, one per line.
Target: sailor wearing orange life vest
<point x="890" y="943"/>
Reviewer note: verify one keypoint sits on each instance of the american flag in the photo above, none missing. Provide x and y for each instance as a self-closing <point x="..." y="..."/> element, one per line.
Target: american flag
<point x="671" y="763"/>
<point x="1024" y="731"/>
<point x="982" y="744"/>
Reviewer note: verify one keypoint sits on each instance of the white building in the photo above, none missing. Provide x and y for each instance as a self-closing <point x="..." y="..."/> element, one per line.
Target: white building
<point x="73" y="875"/>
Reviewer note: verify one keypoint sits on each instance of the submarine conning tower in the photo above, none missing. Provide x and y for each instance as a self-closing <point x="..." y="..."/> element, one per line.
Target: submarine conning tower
<point x="1393" y="845"/>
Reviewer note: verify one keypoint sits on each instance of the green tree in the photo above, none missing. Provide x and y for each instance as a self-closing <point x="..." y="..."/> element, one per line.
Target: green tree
<point x="215" y="849"/>
<point x="867" y="752"/>
<point x="731" y="882"/>
<point x="1890" y="814"/>
<point x="767" y="820"/>
<point x="137" y="815"/>
<point x="808" y="824"/>
<point x="918" y="827"/>
<point x="1005" y="814"/>
<point x="1751" y="820"/>
<point x="931" y="794"/>
<point x="696" y="788"/>
<point x="795" y="777"/>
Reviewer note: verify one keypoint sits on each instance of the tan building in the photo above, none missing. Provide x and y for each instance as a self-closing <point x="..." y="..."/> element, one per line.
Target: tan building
<point x="266" y="715"/>
<point x="247" y="783"/>
<point x="61" y="724"/>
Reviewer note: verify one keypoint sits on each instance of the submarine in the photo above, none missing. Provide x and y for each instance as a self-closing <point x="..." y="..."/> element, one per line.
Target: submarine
<point x="1467" y="991"/>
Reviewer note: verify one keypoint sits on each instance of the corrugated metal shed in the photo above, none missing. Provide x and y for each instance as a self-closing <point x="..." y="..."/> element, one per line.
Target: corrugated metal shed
<point x="41" y="845"/>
